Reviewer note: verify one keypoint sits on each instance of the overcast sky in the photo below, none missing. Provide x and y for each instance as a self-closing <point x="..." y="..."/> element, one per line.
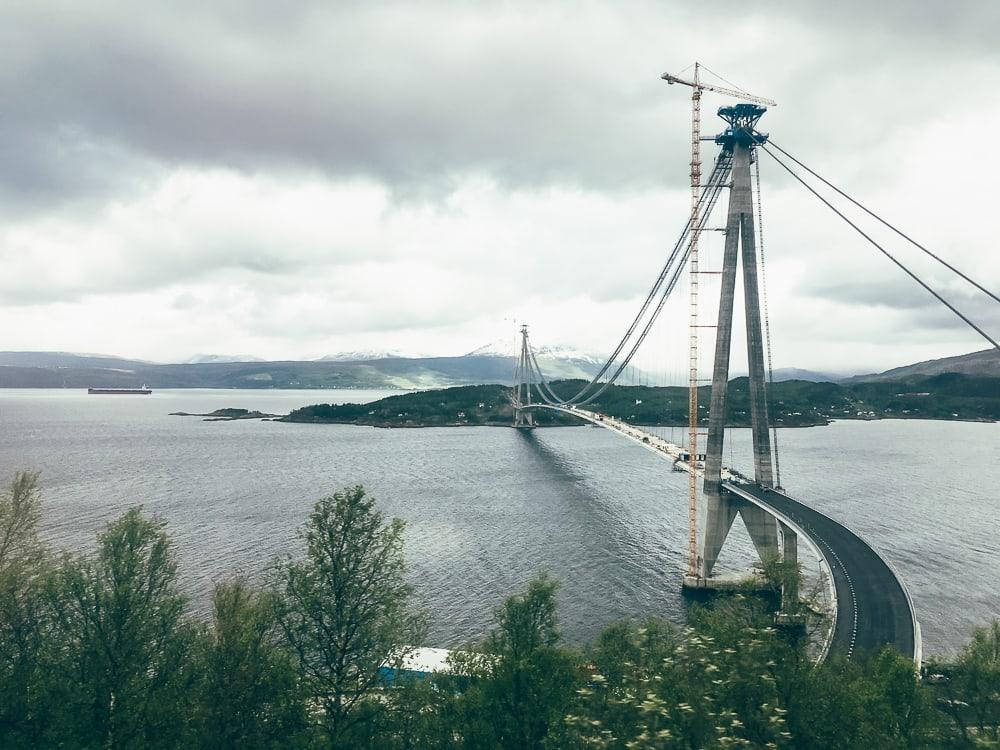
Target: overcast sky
<point x="290" y="180"/>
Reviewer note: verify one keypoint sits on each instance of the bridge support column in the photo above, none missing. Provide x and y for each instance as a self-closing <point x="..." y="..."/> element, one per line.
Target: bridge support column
<point x="790" y="556"/>
<point x="717" y="510"/>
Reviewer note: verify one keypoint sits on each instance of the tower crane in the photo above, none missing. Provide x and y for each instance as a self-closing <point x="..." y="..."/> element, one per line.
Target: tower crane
<point x="735" y="93"/>
<point x="697" y="86"/>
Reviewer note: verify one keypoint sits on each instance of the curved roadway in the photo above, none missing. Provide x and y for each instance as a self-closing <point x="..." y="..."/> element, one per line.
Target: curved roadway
<point x="873" y="607"/>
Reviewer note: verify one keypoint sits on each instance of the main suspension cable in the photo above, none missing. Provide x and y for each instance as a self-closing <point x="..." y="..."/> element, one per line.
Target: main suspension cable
<point x="649" y="323"/>
<point x="624" y="363"/>
<point x="878" y="218"/>
<point x="544" y="389"/>
<point x="645" y="332"/>
<point x="881" y="249"/>
<point x="709" y="198"/>
<point x="707" y="201"/>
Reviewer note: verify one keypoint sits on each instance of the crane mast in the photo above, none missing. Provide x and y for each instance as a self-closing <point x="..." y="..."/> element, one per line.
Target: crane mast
<point x="693" y="328"/>
<point x="696" y="89"/>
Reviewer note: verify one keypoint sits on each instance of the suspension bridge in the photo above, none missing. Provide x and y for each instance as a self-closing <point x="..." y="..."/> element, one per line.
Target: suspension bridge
<point x="868" y="603"/>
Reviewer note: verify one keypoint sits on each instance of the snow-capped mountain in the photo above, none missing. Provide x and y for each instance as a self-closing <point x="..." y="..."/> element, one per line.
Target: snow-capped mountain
<point x="506" y="347"/>
<point x="364" y="355"/>
<point x="207" y="359"/>
<point x="510" y="348"/>
<point x="565" y="352"/>
<point x="556" y="361"/>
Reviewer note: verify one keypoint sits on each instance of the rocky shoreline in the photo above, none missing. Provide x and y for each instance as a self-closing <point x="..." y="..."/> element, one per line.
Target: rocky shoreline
<point x="229" y="415"/>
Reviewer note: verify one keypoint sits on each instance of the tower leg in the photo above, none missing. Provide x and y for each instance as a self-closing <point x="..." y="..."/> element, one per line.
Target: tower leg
<point x="717" y="510"/>
<point x="763" y="470"/>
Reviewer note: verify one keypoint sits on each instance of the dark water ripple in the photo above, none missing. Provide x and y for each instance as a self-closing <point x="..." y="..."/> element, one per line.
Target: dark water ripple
<point x="488" y="508"/>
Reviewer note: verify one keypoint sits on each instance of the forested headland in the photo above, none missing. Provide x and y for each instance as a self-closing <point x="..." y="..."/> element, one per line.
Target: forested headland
<point x="792" y="403"/>
<point x="99" y="650"/>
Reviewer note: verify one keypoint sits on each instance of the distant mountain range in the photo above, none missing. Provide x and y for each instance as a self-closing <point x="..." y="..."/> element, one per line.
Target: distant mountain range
<point x="492" y="363"/>
<point x="363" y="356"/>
<point x="794" y="373"/>
<point x="202" y="359"/>
<point x="985" y="363"/>
<point x="366" y="369"/>
<point x="68" y="359"/>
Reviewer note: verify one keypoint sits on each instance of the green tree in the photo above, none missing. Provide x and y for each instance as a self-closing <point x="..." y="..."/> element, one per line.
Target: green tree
<point x="713" y="685"/>
<point x="899" y="709"/>
<point x="602" y="709"/>
<point x="422" y="713"/>
<point x="20" y="512"/>
<point x="346" y="611"/>
<point x="874" y="700"/>
<point x="24" y="565"/>
<point x="971" y="687"/>
<point x="122" y="676"/>
<point x="522" y="681"/>
<point x="249" y="696"/>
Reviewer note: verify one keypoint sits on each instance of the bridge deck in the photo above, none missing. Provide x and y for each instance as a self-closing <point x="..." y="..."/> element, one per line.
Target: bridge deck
<point x="873" y="608"/>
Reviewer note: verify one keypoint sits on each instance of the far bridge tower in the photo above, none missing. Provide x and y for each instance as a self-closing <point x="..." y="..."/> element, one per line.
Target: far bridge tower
<point x="523" y="415"/>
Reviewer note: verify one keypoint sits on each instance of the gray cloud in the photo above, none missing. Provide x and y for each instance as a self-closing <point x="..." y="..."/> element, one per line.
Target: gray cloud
<point x="891" y="290"/>
<point x="938" y="25"/>
<point x="542" y="161"/>
<point x="405" y="95"/>
<point x="414" y="95"/>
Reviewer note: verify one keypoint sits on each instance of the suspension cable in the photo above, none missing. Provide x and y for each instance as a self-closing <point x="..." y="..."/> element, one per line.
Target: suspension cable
<point x="642" y="336"/>
<point x="878" y="218"/>
<point x="881" y="249"/>
<point x="550" y="397"/>
<point x="544" y="389"/>
<point x="769" y="385"/>
<point x="709" y="197"/>
<point x="653" y="316"/>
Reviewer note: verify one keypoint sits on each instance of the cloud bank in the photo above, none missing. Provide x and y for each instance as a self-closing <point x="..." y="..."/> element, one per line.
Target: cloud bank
<point x="296" y="180"/>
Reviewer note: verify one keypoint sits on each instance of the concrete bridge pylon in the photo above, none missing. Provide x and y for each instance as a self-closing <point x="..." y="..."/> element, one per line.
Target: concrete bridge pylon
<point x="523" y="415"/>
<point x="867" y="603"/>
<point x="717" y="509"/>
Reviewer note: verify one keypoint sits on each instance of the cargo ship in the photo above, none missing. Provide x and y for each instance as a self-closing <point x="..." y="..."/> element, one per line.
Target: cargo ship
<point x="144" y="391"/>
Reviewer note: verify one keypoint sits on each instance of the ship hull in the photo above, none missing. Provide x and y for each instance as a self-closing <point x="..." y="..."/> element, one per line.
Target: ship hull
<point x="119" y="391"/>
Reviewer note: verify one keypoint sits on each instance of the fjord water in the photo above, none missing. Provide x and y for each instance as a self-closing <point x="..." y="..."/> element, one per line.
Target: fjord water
<point x="488" y="508"/>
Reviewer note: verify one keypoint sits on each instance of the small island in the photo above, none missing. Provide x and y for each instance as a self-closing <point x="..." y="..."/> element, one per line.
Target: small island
<point x="793" y="403"/>
<point x="227" y="415"/>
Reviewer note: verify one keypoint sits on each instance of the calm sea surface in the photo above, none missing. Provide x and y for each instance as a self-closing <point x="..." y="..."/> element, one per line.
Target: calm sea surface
<point x="488" y="508"/>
